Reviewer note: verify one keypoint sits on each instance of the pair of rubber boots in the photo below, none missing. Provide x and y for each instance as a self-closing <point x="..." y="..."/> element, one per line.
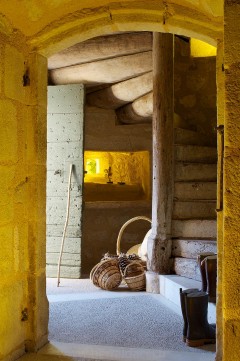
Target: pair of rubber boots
<point x="196" y="329"/>
<point x="208" y="270"/>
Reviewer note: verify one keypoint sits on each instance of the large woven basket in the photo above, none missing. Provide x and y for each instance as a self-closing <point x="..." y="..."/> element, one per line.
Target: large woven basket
<point x="134" y="276"/>
<point x="118" y="247"/>
<point x="106" y="274"/>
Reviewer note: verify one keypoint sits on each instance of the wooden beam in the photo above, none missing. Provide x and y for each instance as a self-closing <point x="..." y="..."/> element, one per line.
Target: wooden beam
<point x="121" y="93"/>
<point x="159" y="242"/>
<point x="103" y="71"/>
<point x="102" y="47"/>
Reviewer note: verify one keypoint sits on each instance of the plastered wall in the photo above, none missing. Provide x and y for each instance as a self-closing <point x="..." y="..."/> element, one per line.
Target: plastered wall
<point x="23" y="303"/>
<point x="64" y="147"/>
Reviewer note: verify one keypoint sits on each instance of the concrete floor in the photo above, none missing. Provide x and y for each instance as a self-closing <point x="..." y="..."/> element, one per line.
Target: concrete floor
<point x="61" y="351"/>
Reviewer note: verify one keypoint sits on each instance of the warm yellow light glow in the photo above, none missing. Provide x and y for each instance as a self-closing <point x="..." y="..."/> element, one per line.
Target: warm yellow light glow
<point x="127" y="172"/>
<point x="202" y="49"/>
<point x="93" y="166"/>
<point x="127" y="167"/>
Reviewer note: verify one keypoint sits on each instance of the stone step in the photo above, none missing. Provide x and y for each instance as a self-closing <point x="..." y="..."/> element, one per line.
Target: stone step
<point x="190" y="248"/>
<point x="194" y="210"/>
<point x="169" y="288"/>
<point x="195" y="190"/>
<point x="186" y="267"/>
<point x="190" y="137"/>
<point x="194" y="228"/>
<point x="195" y="154"/>
<point x="195" y="172"/>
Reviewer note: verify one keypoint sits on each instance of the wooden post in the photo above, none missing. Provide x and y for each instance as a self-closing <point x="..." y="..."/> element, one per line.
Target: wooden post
<point x="159" y="242"/>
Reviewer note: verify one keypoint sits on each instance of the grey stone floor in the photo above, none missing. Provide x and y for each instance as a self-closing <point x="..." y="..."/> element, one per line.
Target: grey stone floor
<point x="83" y="290"/>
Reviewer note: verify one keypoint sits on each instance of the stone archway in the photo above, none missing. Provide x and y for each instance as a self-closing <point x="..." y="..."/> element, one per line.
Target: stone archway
<point x="115" y="17"/>
<point x="202" y="21"/>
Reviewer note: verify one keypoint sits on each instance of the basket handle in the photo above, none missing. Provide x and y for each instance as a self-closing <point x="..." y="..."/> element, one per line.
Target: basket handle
<point x="130" y="264"/>
<point x="125" y="225"/>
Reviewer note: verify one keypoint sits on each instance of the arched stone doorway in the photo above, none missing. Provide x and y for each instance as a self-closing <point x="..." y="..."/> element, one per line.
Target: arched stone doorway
<point x="83" y="24"/>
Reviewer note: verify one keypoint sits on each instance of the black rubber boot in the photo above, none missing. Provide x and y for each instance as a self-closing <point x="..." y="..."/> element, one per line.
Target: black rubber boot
<point x="201" y="264"/>
<point x="183" y="308"/>
<point x="211" y="275"/>
<point x="199" y="331"/>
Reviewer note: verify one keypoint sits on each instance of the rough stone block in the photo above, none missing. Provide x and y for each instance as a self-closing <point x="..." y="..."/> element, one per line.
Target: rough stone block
<point x="60" y="153"/>
<point x="65" y="99"/>
<point x="9" y="136"/>
<point x="195" y="228"/>
<point x="68" y="259"/>
<point x="7" y="249"/>
<point x="71" y="245"/>
<point x="65" y="271"/>
<point x="57" y="187"/>
<point x="195" y="154"/>
<point x="195" y="190"/>
<point x="189" y="137"/>
<point x="57" y="207"/>
<point x="1" y="66"/>
<point x="194" y="210"/>
<point x="14" y="71"/>
<point x="195" y="172"/>
<point x="6" y="179"/>
<point x="36" y="92"/>
<point x="11" y="313"/>
<point x="56" y="230"/>
<point x="152" y="282"/>
<point x="64" y="128"/>
<point x="187" y="268"/>
<point x="35" y="118"/>
<point x="190" y="248"/>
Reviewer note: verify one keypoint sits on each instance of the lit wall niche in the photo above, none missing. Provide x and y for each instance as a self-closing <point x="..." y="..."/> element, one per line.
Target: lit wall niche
<point x="116" y="175"/>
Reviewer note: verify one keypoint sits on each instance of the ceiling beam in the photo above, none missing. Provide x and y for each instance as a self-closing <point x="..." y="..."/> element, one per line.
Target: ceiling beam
<point x="103" y="71"/>
<point x="121" y="93"/>
<point x="103" y="47"/>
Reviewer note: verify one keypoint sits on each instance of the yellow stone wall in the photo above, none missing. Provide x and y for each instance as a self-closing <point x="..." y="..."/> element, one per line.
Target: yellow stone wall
<point x="231" y="214"/>
<point x="50" y="26"/>
<point x="22" y="200"/>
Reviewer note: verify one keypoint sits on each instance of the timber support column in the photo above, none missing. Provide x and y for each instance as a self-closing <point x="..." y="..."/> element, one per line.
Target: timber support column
<point x="159" y="242"/>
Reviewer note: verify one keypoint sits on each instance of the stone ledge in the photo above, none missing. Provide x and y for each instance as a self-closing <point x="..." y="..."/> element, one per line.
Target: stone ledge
<point x="169" y="288"/>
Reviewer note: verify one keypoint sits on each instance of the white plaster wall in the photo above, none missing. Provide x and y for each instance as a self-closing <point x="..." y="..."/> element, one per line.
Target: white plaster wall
<point x="64" y="146"/>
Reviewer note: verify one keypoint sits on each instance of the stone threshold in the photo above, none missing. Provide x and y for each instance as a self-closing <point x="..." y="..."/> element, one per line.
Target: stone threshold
<point x="112" y="353"/>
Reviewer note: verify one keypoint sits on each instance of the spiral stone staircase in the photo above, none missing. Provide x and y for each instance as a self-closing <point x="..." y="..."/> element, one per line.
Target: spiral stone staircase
<point x="117" y="73"/>
<point x="194" y="215"/>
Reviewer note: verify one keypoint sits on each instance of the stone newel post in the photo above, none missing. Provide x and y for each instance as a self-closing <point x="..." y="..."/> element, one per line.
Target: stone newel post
<point x="159" y="242"/>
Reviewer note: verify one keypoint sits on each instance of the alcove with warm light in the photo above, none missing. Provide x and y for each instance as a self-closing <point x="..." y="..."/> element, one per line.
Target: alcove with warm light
<point x="116" y="176"/>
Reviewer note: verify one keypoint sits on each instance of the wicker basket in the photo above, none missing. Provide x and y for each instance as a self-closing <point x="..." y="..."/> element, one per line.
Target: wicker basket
<point x="106" y="275"/>
<point x="134" y="276"/>
<point x="92" y="278"/>
<point x="118" y="247"/>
